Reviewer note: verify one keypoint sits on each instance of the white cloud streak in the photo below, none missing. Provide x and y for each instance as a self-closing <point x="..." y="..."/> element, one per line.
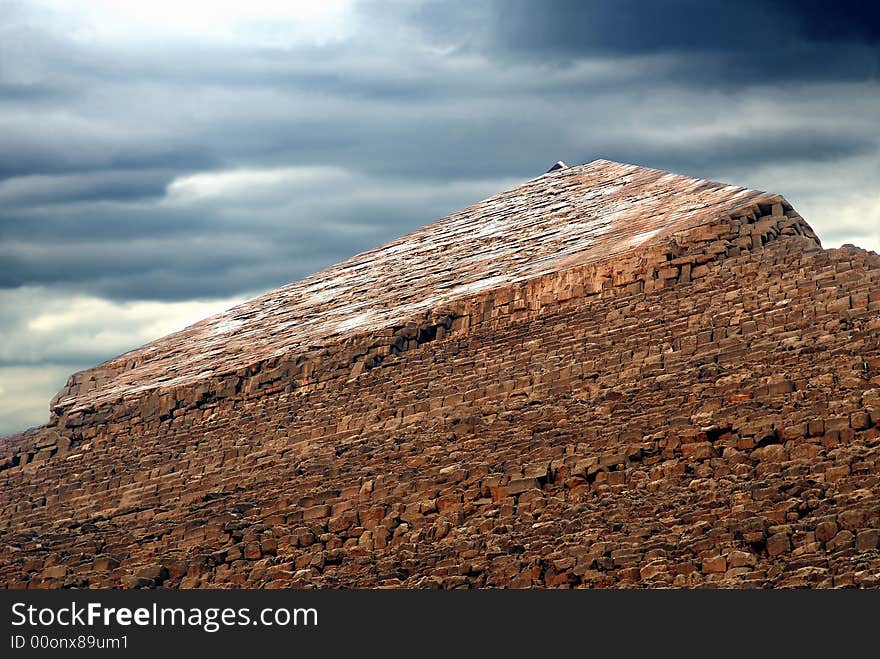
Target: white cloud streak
<point x="45" y="336"/>
<point x="273" y="23"/>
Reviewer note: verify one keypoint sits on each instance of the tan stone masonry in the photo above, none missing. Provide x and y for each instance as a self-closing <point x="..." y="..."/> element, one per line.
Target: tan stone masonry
<point x="689" y="397"/>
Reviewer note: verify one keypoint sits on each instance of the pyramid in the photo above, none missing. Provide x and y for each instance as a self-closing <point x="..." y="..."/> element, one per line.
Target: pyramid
<point x="608" y="376"/>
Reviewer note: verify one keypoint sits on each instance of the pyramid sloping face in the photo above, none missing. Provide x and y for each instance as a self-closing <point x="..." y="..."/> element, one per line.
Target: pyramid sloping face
<point x="609" y="376"/>
<point x="573" y="216"/>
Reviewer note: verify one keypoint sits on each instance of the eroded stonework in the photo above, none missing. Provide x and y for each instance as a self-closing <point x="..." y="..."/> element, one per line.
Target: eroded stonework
<point x="608" y="376"/>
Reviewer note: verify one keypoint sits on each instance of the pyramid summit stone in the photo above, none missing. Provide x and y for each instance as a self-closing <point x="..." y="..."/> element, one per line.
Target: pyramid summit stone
<point x="607" y="376"/>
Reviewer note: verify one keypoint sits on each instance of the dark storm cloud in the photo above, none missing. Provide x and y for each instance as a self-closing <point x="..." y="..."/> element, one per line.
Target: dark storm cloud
<point x="643" y="26"/>
<point x="720" y="43"/>
<point x="842" y="20"/>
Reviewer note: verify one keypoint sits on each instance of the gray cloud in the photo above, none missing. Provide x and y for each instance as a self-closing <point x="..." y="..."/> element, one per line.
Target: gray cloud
<point x="718" y="44"/>
<point x="30" y="192"/>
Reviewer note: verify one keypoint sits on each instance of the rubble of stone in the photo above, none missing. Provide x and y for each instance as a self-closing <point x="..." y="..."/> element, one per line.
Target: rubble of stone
<point x="609" y="376"/>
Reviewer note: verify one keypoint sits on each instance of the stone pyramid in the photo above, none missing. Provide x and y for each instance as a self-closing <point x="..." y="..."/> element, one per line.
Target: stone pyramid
<point x="609" y="376"/>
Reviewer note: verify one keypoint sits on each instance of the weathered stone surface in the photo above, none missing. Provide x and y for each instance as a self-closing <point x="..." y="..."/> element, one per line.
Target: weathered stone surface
<point x="778" y="543"/>
<point x="715" y="565"/>
<point x="867" y="540"/>
<point x="609" y="376"/>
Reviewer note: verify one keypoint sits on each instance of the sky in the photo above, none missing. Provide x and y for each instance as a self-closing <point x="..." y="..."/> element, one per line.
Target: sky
<point x="161" y="161"/>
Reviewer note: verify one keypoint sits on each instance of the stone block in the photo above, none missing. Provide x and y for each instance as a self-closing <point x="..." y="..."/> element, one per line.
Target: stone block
<point x="778" y="543"/>
<point x="714" y="565"/>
